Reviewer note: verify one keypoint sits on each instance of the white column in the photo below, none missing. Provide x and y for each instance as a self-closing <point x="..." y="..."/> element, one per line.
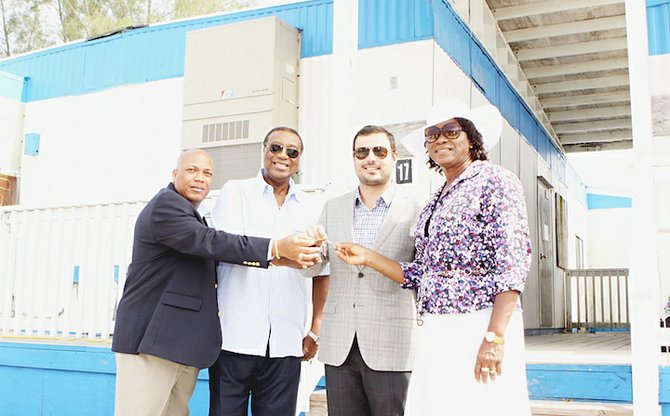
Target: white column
<point x="344" y="91"/>
<point x="644" y="277"/>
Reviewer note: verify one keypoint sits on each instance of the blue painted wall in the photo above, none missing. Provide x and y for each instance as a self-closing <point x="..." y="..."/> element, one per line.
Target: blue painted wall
<point x="658" y="26"/>
<point x="152" y="53"/>
<point x="67" y="380"/>
<point x="598" y="201"/>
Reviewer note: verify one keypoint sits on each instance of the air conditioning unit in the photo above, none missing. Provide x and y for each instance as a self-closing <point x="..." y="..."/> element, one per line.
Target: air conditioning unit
<point x="240" y="80"/>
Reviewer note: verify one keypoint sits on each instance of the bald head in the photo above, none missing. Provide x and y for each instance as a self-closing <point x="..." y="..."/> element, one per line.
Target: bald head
<point x="189" y="152"/>
<point x="193" y="175"/>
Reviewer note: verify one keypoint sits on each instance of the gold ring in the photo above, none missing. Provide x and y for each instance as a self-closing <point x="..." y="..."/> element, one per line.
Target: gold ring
<point x="484" y="370"/>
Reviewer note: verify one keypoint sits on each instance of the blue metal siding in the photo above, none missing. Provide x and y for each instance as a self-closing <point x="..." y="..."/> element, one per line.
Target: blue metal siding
<point x="658" y="26"/>
<point x="484" y="73"/>
<point x="508" y="102"/>
<point x="152" y="53"/>
<point x="383" y="22"/>
<point x="526" y="125"/>
<point x="453" y="36"/>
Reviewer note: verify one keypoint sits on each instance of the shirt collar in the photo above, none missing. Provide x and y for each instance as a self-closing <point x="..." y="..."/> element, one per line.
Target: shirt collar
<point x="385" y="198"/>
<point x="264" y="187"/>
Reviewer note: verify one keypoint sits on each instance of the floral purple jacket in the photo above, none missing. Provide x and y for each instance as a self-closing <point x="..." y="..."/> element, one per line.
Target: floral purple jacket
<point x="476" y="243"/>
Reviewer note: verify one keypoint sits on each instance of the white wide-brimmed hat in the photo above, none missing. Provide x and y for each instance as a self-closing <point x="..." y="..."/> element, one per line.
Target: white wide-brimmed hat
<point x="487" y="119"/>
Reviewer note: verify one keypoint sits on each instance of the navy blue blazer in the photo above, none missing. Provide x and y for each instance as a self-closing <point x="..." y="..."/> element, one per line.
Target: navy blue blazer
<point x="168" y="308"/>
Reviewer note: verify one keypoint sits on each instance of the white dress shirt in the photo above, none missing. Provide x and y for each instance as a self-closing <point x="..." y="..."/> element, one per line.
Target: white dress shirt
<point x="257" y="305"/>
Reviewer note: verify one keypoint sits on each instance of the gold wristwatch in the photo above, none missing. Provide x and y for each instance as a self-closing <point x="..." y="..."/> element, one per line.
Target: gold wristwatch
<point x="492" y="337"/>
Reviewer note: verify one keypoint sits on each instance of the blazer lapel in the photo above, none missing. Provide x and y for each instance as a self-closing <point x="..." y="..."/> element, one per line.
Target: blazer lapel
<point x="390" y="221"/>
<point x="348" y="210"/>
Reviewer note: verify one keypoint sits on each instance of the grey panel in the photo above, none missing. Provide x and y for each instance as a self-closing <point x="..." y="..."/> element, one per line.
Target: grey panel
<point x="528" y="174"/>
<point x="235" y="162"/>
<point x="546" y="242"/>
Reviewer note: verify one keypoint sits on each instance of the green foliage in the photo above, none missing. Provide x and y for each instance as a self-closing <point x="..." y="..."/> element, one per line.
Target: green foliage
<point x="31" y="24"/>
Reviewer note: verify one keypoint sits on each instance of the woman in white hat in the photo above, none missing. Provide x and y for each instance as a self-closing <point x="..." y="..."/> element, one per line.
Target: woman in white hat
<point x="472" y="259"/>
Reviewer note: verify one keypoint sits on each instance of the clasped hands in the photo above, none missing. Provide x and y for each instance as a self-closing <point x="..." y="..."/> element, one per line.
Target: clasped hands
<point x="302" y="250"/>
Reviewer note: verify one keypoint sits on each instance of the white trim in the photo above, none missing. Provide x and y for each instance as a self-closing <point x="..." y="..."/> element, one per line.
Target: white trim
<point x="644" y="272"/>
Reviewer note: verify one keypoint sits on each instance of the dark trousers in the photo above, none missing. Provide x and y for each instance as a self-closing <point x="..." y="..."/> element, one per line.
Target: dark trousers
<point x="355" y="389"/>
<point x="271" y="382"/>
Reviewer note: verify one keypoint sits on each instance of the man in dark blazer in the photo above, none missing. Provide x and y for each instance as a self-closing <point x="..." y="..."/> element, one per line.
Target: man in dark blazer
<point x="167" y="324"/>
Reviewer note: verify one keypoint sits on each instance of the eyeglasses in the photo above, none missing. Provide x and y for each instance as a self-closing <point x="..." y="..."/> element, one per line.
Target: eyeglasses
<point x="450" y="132"/>
<point x="290" y="152"/>
<point x="363" y="152"/>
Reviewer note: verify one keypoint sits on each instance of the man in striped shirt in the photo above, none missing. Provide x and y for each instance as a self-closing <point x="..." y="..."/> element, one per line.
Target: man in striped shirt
<point x="263" y="313"/>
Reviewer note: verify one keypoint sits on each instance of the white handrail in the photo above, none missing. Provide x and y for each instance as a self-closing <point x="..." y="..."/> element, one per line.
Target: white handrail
<point x="597" y="299"/>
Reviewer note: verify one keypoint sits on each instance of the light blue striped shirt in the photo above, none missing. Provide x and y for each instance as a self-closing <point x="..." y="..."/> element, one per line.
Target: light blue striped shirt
<point x="257" y="305"/>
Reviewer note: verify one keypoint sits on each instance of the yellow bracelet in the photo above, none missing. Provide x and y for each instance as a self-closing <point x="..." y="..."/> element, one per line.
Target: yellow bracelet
<point x="276" y="249"/>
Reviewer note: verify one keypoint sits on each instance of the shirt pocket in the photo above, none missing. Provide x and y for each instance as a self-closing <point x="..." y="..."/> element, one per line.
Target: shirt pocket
<point x="178" y="300"/>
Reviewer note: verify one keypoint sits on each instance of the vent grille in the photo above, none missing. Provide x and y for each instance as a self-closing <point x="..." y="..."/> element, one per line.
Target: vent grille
<point x="230" y="130"/>
<point x="235" y="162"/>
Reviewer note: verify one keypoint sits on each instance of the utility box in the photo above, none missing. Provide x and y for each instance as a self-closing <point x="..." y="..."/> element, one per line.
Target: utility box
<point x="240" y="80"/>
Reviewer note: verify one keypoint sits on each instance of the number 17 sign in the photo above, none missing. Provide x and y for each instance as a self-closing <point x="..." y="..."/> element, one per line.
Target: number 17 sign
<point x="403" y="171"/>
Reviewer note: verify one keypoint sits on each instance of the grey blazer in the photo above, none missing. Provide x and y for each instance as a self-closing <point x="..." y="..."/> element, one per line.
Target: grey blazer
<point x="379" y="311"/>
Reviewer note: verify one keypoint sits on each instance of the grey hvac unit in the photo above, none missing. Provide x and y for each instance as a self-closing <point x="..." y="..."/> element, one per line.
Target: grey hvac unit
<point x="240" y="80"/>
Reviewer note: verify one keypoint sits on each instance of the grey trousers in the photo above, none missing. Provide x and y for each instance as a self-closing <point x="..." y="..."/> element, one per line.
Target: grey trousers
<point x="354" y="389"/>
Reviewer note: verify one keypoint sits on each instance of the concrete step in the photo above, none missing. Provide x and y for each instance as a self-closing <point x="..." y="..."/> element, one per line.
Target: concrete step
<point x="318" y="407"/>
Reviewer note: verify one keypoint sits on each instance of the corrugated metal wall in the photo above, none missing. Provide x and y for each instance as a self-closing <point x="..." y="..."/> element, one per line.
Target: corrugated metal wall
<point x="658" y="26"/>
<point x="383" y="22"/>
<point x="151" y="53"/>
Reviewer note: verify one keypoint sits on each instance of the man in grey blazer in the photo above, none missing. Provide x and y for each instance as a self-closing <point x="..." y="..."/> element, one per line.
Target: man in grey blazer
<point x="368" y="320"/>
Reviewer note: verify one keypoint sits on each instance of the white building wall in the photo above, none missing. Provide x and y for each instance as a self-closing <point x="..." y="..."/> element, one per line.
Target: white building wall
<point x="11" y="129"/>
<point x="115" y="145"/>
<point x="609" y="238"/>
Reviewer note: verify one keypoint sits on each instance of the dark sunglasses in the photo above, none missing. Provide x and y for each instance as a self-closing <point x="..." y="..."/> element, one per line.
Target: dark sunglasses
<point x="363" y="152"/>
<point x="450" y="132"/>
<point x="290" y="152"/>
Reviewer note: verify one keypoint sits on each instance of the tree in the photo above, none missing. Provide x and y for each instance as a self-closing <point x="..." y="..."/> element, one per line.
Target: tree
<point x="5" y="32"/>
<point x="188" y="8"/>
<point x="31" y="24"/>
<point x="23" y="28"/>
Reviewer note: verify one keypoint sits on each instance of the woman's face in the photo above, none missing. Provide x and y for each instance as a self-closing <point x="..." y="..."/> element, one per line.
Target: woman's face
<point x="450" y="153"/>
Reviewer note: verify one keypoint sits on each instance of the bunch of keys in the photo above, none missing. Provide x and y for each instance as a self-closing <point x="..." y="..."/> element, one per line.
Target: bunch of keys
<point x="324" y="248"/>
